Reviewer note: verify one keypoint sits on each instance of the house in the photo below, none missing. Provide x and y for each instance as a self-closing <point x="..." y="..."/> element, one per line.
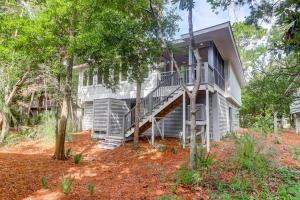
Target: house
<point x="165" y="106"/>
<point x="295" y="110"/>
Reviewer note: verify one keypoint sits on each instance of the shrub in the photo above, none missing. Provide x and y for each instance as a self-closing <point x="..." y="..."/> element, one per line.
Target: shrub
<point x="44" y="182"/>
<point x="187" y="176"/>
<point x="78" y="158"/>
<point x="249" y="157"/>
<point x="91" y="188"/>
<point x="263" y="124"/>
<point x="67" y="184"/>
<point x="277" y="141"/>
<point x="203" y="160"/>
<point x="174" y="150"/>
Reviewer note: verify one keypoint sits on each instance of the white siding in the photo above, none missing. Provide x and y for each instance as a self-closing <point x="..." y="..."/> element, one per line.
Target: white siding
<point x="223" y="116"/>
<point x="235" y="117"/>
<point x="126" y="89"/>
<point x="297" y="123"/>
<point x="233" y="86"/>
<point x="87" y="121"/>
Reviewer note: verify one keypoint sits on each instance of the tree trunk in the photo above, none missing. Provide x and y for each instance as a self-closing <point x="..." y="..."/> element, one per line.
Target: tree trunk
<point x="275" y="119"/>
<point x="5" y="126"/>
<point x="62" y="125"/>
<point x="193" y="146"/>
<point x="137" y="115"/>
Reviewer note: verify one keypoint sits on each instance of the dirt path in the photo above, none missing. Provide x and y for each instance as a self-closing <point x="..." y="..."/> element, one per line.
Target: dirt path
<point x="117" y="174"/>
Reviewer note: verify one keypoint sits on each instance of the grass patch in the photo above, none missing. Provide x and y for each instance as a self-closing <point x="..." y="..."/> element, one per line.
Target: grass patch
<point x="66" y="184"/>
<point x="78" y="158"/>
<point x="248" y="156"/>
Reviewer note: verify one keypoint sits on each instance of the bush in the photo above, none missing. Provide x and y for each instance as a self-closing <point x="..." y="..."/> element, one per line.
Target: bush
<point x="91" y="188"/>
<point x="78" y="158"/>
<point x="67" y="184"/>
<point x="203" y="160"/>
<point x="263" y="124"/>
<point x="174" y="150"/>
<point x="44" y="182"/>
<point x="187" y="176"/>
<point x="249" y="157"/>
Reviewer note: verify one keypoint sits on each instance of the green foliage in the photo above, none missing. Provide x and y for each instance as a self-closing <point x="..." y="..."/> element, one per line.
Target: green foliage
<point x="169" y="197"/>
<point x="203" y="160"/>
<point x="69" y="152"/>
<point x="66" y="184"/>
<point x="44" y="182"/>
<point x="174" y="150"/>
<point x="161" y="147"/>
<point x="263" y="124"/>
<point x="249" y="157"/>
<point x="22" y="134"/>
<point x="91" y="188"/>
<point x="186" y="176"/>
<point x="296" y="153"/>
<point x="78" y="158"/>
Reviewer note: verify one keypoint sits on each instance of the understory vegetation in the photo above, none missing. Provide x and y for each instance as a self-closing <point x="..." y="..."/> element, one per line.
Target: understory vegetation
<point x="251" y="174"/>
<point x="44" y="130"/>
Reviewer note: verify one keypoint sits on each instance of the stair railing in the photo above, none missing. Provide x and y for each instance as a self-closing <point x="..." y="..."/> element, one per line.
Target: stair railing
<point x="165" y="88"/>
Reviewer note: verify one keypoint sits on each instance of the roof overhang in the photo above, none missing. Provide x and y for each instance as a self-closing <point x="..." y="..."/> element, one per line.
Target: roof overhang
<point x="222" y="36"/>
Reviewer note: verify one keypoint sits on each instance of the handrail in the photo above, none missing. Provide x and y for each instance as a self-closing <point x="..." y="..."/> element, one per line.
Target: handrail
<point x="163" y="91"/>
<point x="167" y="85"/>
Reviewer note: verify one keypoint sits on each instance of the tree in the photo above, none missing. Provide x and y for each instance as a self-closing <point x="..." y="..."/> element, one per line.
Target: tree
<point x="185" y="5"/>
<point x="123" y="42"/>
<point x="18" y="55"/>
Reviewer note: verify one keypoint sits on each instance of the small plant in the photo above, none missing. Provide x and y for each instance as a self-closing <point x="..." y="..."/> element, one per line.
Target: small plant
<point x="44" y="182"/>
<point x="187" y="176"/>
<point x="169" y="197"/>
<point x="67" y="184"/>
<point x="277" y="141"/>
<point x="296" y="153"/>
<point x="203" y="160"/>
<point x="78" y="158"/>
<point x="174" y="150"/>
<point x="161" y="147"/>
<point x="91" y="188"/>
<point x="69" y="152"/>
<point x="249" y="157"/>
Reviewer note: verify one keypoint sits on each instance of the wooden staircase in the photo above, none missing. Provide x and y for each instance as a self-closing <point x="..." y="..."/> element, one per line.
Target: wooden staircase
<point x="165" y="108"/>
<point x="157" y="104"/>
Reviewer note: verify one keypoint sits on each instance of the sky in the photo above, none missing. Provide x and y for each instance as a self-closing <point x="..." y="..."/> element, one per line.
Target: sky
<point x="203" y="16"/>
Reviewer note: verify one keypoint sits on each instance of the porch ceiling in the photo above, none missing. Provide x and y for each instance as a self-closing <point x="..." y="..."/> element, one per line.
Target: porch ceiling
<point x="223" y="38"/>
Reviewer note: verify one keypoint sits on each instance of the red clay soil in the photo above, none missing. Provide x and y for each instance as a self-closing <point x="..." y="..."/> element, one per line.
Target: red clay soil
<point x="121" y="173"/>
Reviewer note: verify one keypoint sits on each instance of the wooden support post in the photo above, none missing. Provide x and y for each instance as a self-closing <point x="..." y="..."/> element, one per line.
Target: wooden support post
<point x="153" y="129"/>
<point x="163" y="129"/>
<point x="207" y="119"/>
<point x="184" y="120"/>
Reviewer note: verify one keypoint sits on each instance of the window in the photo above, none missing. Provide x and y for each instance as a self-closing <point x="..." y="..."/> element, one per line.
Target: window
<point x="88" y="77"/>
<point x="85" y="78"/>
<point x="219" y="68"/>
<point x="91" y="76"/>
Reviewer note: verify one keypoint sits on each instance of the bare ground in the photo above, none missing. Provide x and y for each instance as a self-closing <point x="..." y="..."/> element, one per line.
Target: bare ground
<point x="121" y="173"/>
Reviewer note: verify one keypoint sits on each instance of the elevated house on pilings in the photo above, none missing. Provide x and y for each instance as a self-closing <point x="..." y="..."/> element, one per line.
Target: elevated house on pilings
<point x="165" y="106"/>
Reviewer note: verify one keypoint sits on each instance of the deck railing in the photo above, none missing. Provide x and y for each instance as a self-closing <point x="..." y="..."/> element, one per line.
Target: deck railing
<point x="188" y="74"/>
<point x="165" y="88"/>
<point x="168" y="83"/>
